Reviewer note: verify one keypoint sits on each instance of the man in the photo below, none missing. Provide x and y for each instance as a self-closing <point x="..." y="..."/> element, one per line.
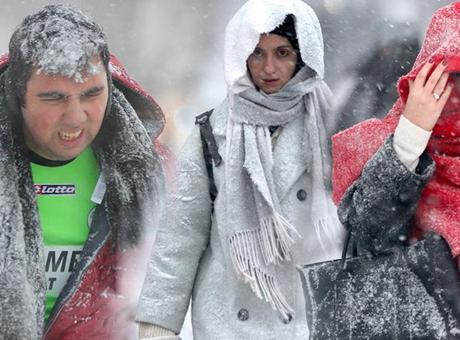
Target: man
<point x="80" y="180"/>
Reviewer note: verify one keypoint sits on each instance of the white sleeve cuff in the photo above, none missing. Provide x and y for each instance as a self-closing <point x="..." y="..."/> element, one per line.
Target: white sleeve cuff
<point x="162" y="338"/>
<point x="151" y="331"/>
<point x="409" y="142"/>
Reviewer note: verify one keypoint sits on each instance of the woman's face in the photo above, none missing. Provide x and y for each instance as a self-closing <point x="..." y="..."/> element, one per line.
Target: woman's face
<point x="272" y="63"/>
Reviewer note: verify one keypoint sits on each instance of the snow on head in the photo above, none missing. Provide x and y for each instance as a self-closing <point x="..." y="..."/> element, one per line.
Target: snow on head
<point x="60" y="40"/>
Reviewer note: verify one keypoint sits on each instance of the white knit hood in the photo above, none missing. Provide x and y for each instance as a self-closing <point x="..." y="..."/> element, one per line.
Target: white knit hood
<point x="263" y="16"/>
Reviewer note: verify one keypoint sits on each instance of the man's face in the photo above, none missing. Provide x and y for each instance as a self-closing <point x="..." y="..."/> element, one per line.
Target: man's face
<point x="62" y="117"/>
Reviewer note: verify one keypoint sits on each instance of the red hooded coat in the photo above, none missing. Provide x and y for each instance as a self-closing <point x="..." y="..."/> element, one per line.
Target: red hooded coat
<point x="439" y="207"/>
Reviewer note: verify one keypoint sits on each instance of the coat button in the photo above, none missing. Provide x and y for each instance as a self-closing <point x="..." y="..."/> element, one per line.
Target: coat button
<point x="301" y="195"/>
<point x="243" y="314"/>
<point x="288" y="319"/>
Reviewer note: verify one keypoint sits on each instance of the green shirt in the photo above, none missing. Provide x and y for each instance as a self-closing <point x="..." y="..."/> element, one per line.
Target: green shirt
<point x="65" y="207"/>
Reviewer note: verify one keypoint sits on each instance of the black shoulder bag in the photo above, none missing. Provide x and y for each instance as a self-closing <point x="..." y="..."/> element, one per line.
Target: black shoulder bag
<point x="409" y="292"/>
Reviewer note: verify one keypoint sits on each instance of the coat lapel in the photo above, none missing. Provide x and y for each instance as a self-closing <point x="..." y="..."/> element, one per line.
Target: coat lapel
<point x="289" y="164"/>
<point x="289" y="158"/>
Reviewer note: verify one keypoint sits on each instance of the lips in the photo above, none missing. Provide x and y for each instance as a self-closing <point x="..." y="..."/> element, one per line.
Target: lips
<point x="69" y="136"/>
<point x="270" y="81"/>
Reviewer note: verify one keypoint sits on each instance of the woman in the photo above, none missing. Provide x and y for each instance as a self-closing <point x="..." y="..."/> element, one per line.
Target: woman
<point x="418" y="135"/>
<point x="272" y="210"/>
<point x="399" y="177"/>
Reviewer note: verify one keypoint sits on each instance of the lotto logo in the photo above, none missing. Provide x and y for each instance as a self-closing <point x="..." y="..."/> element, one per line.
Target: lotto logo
<point x="54" y="189"/>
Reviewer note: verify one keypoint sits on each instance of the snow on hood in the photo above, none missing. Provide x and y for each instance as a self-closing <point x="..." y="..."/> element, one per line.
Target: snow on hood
<point x="442" y="41"/>
<point x="262" y="16"/>
<point x="147" y="109"/>
<point x="352" y="147"/>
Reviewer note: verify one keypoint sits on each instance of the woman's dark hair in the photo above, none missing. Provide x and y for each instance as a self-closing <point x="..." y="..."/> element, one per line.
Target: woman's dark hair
<point x="287" y="30"/>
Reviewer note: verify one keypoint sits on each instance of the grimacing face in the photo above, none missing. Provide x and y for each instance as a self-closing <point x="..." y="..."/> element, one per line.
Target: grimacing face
<point x="273" y="62"/>
<point x="61" y="116"/>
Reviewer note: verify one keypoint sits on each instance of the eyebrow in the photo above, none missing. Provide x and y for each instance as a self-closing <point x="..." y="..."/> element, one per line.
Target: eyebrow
<point x="93" y="90"/>
<point x="60" y="95"/>
<point x="51" y="94"/>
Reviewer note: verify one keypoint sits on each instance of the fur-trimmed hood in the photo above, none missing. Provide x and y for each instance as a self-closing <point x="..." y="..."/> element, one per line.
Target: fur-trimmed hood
<point x="132" y="173"/>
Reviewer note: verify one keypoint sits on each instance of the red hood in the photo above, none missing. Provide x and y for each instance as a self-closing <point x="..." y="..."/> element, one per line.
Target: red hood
<point x="442" y="41"/>
<point x="147" y="109"/>
<point x="352" y="148"/>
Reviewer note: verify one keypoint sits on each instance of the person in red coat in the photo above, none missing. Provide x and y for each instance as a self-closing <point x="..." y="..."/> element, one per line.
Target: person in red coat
<point x="400" y="175"/>
<point x="397" y="178"/>
<point x="64" y="100"/>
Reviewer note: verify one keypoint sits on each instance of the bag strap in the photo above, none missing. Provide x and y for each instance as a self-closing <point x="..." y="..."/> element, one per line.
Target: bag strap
<point x="345" y="248"/>
<point x="348" y="237"/>
<point x="210" y="150"/>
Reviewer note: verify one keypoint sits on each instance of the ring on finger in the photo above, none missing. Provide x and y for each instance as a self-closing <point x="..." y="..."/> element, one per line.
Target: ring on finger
<point x="436" y="95"/>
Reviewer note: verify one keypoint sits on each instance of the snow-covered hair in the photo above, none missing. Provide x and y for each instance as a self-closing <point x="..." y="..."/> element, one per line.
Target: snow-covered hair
<point x="57" y="40"/>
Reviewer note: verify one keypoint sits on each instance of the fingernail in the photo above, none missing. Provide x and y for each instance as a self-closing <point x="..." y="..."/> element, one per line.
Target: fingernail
<point x="444" y="62"/>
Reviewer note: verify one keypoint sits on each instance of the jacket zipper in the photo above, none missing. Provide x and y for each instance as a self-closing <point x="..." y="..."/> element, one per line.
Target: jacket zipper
<point x="71" y="293"/>
<point x="97" y="197"/>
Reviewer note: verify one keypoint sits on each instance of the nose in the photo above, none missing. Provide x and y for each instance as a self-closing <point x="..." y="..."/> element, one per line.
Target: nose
<point x="75" y="113"/>
<point x="269" y="65"/>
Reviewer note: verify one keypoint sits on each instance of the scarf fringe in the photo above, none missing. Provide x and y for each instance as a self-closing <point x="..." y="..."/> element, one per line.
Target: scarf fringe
<point x="329" y="231"/>
<point x="274" y="241"/>
<point x="273" y="238"/>
<point x="264" y="286"/>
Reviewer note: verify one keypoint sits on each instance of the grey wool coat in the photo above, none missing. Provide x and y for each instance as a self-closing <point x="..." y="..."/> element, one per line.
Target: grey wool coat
<point x="187" y="259"/>
<point x="380" y="205"/>
<point x="379" y="208"/>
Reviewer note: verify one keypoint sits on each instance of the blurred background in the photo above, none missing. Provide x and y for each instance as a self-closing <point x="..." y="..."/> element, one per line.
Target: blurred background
<point x="174" y="49"/>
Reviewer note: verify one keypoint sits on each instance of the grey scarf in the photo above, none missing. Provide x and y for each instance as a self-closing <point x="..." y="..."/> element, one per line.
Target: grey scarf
<point x="259" y="236"/>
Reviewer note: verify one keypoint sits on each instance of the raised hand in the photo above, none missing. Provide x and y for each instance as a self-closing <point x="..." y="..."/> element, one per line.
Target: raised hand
<point x="427" y="97"/>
